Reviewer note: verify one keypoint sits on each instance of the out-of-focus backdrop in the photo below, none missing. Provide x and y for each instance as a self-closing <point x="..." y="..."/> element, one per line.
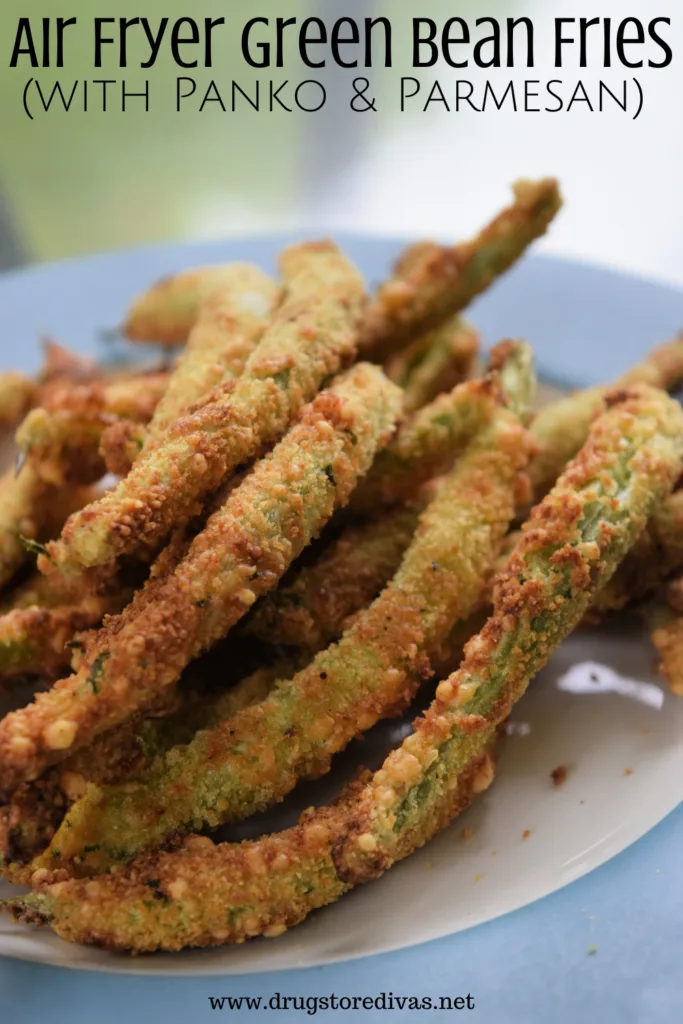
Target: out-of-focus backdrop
<point x="80" y="182"/>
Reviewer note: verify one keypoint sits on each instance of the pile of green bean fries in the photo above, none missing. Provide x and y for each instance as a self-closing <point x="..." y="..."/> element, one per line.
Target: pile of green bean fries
<point x="216" y="576"/>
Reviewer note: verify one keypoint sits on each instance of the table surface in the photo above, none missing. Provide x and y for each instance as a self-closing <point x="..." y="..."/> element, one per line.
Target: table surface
<point x="632" y="977"/>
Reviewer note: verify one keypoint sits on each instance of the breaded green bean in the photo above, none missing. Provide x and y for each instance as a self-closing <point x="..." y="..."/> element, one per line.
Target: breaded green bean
<point x="667" y="638"/>
<point x="561" y="428"/>
<point x="166" y="312"/>
<point x="311" y="335"/>
<point x="254" y="759"/>
<point x="31" y="510"/>
<point x="205" y="894"/>
<point x="657" y="554"/>
<point x="17" y="394"/>
<point x="230" y="323"/>
<point x="33" y="640"/>
<point x="61" y="440"/>
<point x="432" y="283"/>
<point x="36" y="810"/>
<point x="242" y="552"/>
<point x="63" y="446"/>
<point x="661" y="368"/>
<point x="428" y="441"/>
<point x="426" y="444"/>
<point x="37" y="590"/>
<point x="569" y="548"/>
<point x="62" y="365"/>
<point x="663" y="615"/>
<point x="120" y="445"/>
<point x="434" y="363"/>
<point x="310" y="611"/>
<point x="21" y="500"/>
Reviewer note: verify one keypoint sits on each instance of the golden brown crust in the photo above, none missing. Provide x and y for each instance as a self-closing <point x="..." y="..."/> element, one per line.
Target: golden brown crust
<point x="431" y="283"/>
<point x="310" y="337"/>
<point x="244" y="549"/>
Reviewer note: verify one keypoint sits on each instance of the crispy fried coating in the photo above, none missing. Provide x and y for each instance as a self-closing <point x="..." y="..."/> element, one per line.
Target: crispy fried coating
<point x="426" y="444"/>
<point x="34" y="511"/>
<point x="61" y="440"/>
<point x="569" y="547"/>
<point x="22" y="501"/>
<point x="166" y="312"/>
<point x="562" y="427"/>
<point x="668" y="641"/>
<point x="428" y="441"/>
<point x="255" y="758"/>
<point x="120" y="445"/>
<point x="33" y="639"/>
<point x="657" y="554"/>
<point x="36" y="810"/>
<point x="63" y="447"/>
<point x="311" y="335"/>
<point x="432" y="283"/>
<point x="310" y="610"/>
<point x="242" y="552"/>
<point x="664" y="616"/>
<point x="17" y="395"/>
<point x="434" y="362"/>
<point x="230" y="323"/>
<point x="205" y="894"/>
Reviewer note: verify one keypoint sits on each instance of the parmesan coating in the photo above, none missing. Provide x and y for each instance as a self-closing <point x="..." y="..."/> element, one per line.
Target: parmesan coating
<point x="432" y="283"/>
<point x="310" y="336"/>
<point x="562" y="427"/>
<point x="435" y="362"/>
<point x="253" y="759"/>
<point x="23" y="499"/>
<point x="242" y="552"/>
<point x="17" y="395"/>
<point x="166" y="312"/>
<point x="668" y="642"/>
<point x="31" y="510"/>
<point x="33" y="640"/>
<point x="310" y="610"/>
<point x="657" y="554"/>
<point x="569" y="547"/>
<point x="61" y="439"/>
<point x="428" y="441"/>
<point x="204" y="894"/>
<point x="33" y="815"/>
<point x="230" y="323"/>
<point x="426" y="444"/>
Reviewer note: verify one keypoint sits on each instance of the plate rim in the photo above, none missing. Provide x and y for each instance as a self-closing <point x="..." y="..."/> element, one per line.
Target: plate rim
<point x="298" y="234"/>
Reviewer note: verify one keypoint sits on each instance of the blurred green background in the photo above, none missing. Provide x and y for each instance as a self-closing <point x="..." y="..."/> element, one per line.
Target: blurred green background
<point x="76" y="182"/>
